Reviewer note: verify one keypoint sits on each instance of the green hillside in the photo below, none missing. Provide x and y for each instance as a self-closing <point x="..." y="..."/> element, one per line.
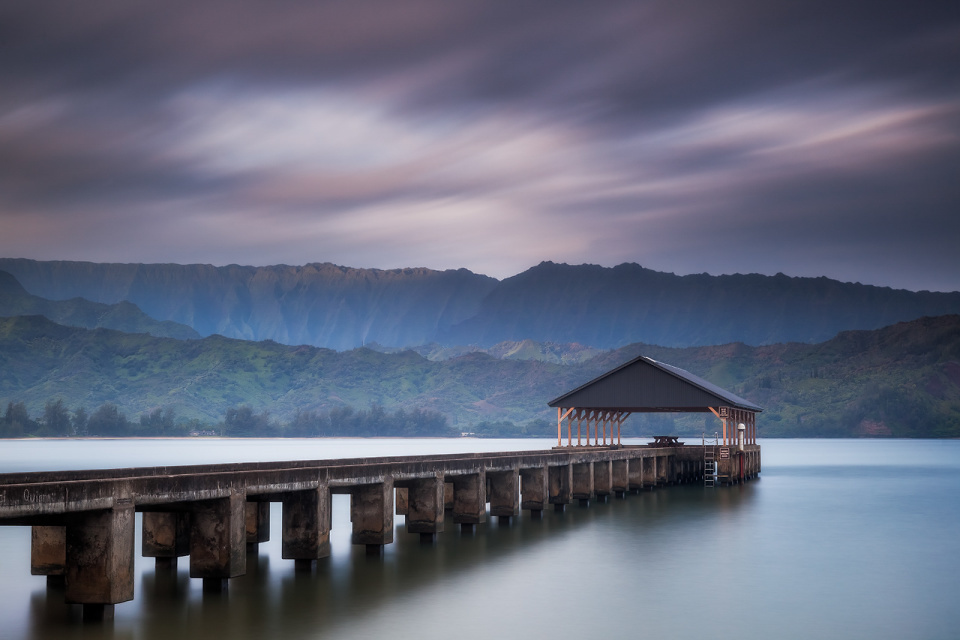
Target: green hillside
<point x="902" y="380"/>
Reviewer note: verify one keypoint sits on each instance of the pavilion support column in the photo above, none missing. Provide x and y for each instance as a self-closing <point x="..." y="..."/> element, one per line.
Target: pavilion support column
<point x="583" y="482"/>
<point x="579" y="422"/>
<point x="257" y="522"/>
<point x="534" y="489"/>
<point x="559" y="424"/>
<point x="99" y="559"/>
<point x="166" y="537"/>
<point x="306" y="522"/>
<point x="504" y="493"/>
<point x="425" y="507"/>
<point x="470" y="499"/>
<point x="561" y="416"/>
<point x="602" y="480"/>
<point x="560" y="486"/>
<point x="635" y="474"/>
<point x="371" y="512"/>
<point x="619" y="477"/>
<point x="48" y="553"/>
<point x="218" y="539"/>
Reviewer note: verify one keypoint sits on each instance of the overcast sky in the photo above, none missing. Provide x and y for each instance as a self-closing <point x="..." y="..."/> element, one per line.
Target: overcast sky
<point x="810" y="138"/>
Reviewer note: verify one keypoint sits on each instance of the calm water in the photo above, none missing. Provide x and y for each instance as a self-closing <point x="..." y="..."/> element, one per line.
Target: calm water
<point x="838" y="539"/>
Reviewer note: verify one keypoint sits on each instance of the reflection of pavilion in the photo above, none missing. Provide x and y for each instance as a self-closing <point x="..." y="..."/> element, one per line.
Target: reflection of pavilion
<point x="644" y="385"/>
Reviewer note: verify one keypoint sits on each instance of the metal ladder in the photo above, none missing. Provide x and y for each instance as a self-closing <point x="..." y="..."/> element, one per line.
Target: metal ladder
<point x="709" y="460"/>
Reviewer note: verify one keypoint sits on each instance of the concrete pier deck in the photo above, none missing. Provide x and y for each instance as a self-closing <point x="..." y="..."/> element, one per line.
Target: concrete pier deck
<point x="83" y="521"/>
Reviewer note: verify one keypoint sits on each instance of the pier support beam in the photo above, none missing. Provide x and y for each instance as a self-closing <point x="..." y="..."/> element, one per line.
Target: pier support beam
<point x="48" y="552"/>
<point x="448" y="496"/>
<point x="425" y="507"/>
<point x="662" y="475"/>
<point x="306" y="523"/>
<point x="402" y="500"/>
<point x="504" y="493"/>
<point x="602" y="479"/>
<point x="583" y="482"/>
<point x="560" y="486"/>
<point x="99" y="559"/>
<point x="166" y="537"/>
<point x="650" y="472"/>
<point x="371" y="512"/>
<point x="257" y="522"/>
<point x="635" y="474"/>
<point x="620" y="477"/>
<point x="535" y="489"/>
<point x="218" y="538"/>
<point x="470" y="498"/>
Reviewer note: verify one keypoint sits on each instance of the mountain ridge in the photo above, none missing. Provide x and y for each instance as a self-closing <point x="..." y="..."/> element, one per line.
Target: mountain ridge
<point x="336" y="307"/>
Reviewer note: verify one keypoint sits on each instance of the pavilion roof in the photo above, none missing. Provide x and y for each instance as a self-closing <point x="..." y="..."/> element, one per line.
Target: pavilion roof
<point x="645" y="385"/>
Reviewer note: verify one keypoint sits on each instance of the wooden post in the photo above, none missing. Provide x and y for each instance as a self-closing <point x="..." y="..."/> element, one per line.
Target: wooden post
<point x="560" y="416"/>
<point x="579" y="418"/>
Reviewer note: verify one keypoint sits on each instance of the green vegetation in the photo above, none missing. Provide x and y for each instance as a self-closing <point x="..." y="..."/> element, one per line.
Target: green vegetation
<point x="238" y="422"/>
<point x="902" y="380"/>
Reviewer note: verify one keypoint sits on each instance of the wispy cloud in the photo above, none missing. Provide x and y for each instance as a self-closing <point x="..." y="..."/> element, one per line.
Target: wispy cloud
<point x="734" y="136"/>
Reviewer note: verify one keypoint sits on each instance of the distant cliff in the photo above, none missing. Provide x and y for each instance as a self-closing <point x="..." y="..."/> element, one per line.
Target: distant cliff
<point x="77" y="312"/>
<point x="318" y="304"/>
<point x="341" y="308"/>
<point x="610" y="308"/>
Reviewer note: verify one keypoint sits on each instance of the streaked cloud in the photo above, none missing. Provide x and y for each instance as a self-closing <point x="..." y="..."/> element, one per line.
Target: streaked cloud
<point x="808" y="138"/>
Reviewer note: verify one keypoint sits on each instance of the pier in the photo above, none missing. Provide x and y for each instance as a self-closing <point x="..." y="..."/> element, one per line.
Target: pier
<point x="83" y="521"/>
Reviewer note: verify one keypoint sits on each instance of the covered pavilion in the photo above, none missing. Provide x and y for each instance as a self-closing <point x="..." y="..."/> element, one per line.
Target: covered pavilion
<point x="644" y="385"/>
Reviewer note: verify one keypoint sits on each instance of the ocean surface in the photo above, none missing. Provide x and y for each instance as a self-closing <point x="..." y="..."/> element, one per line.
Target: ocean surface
<point x="837" y="539"/>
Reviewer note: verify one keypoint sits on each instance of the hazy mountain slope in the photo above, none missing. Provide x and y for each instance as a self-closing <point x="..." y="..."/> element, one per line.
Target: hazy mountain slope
<point x="342" y="308"/>
<point x="318" y="304"/>
<point x="77" y="312"/>
<point x="606" y="308"/>
<point x="902" y="380"/>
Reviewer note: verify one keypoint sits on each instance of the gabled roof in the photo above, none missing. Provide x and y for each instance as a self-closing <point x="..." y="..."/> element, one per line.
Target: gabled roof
<point x="645" y="385"/>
